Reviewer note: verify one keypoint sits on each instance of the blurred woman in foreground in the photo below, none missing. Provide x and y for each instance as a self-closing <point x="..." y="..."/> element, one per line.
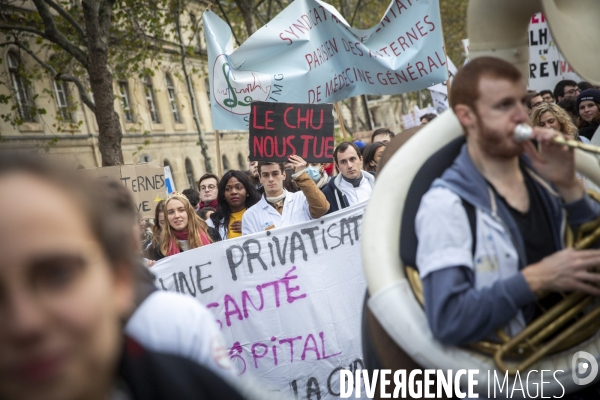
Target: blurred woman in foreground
<point x="66" y="287"/>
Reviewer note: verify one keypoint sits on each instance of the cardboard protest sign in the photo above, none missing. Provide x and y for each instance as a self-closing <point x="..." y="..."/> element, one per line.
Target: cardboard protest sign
<point x="145" y="181"/>
<point x="279" y="130"/>
<point x="310" y="54"/>
<point x="288" y="300"/>
<point x="547" y="66"/>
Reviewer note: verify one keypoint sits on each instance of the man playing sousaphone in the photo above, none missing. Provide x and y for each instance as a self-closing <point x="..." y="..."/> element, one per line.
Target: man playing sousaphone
<point x="491" y="229"/>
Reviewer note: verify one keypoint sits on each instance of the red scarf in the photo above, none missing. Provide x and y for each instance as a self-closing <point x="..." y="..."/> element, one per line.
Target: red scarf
<point x="212" y="204"/>
<point x="184" y="235"/>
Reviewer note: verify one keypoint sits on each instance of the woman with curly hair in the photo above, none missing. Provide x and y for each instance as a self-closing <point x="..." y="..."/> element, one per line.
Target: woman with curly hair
<point x="550" y="115"/>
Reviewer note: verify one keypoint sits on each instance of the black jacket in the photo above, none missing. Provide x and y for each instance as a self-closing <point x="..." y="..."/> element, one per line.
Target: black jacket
<point x="146" y="375"/>
<point x="333" y="196"/>
<point x="588" y="131"/>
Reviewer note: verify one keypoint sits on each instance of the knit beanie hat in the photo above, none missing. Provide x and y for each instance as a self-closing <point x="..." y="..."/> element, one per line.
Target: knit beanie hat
<point x="589" y="94"/>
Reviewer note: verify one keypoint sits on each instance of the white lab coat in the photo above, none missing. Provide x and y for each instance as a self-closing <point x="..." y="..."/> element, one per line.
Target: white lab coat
<point x="358" y="194"/>
<point x="262" y="215"/>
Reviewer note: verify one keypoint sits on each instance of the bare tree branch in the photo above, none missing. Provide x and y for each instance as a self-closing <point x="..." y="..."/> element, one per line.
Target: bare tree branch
<point x="228" y="22"/>
<point x="20" y="28"/>
<point x="83" y="94"/>
<point x="56" y="36"/>
<point x="85" y="98"/>
<point x="69" y="18"/>
<point x="355" y="12"/>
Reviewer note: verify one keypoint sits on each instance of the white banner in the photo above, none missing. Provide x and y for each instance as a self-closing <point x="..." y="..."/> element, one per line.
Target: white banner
<point x="310" y="54"/>
<point x="288" y="300"/>
<point x="439" y="92"/>
<point x="547" y="66"/>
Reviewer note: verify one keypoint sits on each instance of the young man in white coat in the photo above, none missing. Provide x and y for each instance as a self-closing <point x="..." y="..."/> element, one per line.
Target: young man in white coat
<point x="352" y="185"/>
<point x="278" y="207"/>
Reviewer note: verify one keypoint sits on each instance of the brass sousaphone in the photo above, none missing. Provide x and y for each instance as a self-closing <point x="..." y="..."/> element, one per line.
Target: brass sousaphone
<point x="394" y="317"/>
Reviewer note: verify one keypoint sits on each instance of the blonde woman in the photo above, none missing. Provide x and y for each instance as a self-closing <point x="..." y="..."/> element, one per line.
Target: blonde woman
<point x="184" y="229"/>
<point x="549" y="115"/>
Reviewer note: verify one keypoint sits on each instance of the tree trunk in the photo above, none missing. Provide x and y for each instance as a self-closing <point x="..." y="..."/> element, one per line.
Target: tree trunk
<point x="110" y="134"/>
<point x="97" y="22"/>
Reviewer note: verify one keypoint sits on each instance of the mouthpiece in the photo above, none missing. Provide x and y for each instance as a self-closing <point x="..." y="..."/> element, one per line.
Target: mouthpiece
<point x="522" y="133"/>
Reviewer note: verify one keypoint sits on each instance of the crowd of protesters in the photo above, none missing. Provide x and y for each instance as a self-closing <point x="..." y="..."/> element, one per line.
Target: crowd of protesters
<point x="266" y="196"/>
<point x="573" y="105"/>
<point x="83" y="317"/>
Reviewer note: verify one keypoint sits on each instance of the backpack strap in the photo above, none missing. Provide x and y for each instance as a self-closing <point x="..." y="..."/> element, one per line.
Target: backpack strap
<point x="470" y="210"/>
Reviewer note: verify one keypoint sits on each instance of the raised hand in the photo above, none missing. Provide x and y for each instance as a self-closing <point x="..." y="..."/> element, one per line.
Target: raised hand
<point x="298" y="163"/>
<point x="555" y="163"/>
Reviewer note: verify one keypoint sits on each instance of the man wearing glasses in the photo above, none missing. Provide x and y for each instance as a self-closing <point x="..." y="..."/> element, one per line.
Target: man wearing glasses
<point x="566" y="89"/>
<point x="278" y="207"/>
<point x="207" y="185"/>
<point x="533" y="100"/>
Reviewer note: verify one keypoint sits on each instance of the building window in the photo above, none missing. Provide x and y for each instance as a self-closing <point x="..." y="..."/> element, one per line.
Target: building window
<point x="19" y="85"/>
<point x="242" y="162"/>
<point x="145" y="158"/>
<point x="173" y="99"/>
<point x="189" y="172"/>
<point x="226" y="165"/>
<point x="125" y="100"/>
<point x="61" y="92"/>
<point x="150" y="99"/>
<point x="207" y="85"/>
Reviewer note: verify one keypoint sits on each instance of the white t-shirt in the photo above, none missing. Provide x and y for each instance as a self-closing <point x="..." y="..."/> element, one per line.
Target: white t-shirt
<point x="174" y="323"/>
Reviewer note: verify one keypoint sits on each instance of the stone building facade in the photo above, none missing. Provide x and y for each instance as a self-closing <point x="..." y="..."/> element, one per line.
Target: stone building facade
<point x="155" y="114"/>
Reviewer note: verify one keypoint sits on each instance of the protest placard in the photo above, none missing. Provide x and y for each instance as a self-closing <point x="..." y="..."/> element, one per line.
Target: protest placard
<point x="169" y="182"/>
<point x="547" y="66"/>
<point x="288" y="300"/>
<point x="279" y="130"/>
<point x="145" y="181"/>
<point x="310" y="54"/>
<point x="439" y="92"/>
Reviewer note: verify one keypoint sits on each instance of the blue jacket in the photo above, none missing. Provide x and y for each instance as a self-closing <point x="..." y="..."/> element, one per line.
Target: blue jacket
<point x="458" y="309"/>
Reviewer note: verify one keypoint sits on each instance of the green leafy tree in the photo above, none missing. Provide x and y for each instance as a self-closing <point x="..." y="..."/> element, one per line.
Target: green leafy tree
<point x="87" y="43"/>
